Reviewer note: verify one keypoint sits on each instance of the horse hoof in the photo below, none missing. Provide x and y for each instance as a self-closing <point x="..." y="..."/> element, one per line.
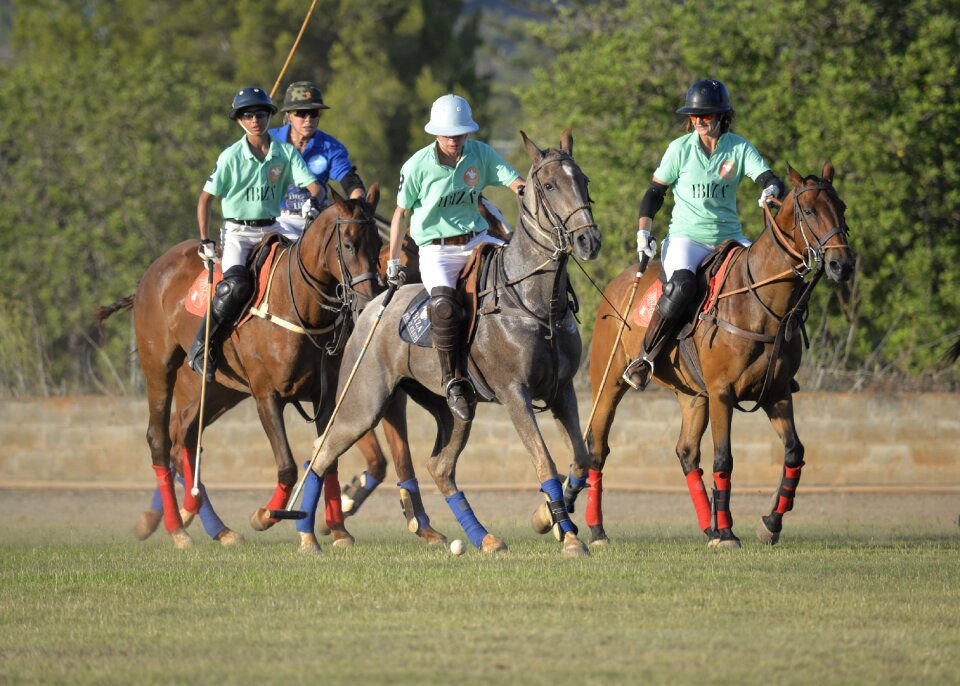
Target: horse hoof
<point x="261" y="520"/>
<point x="492" y="544"/>
<point x="309" y="545"/>
<point x="432" y="536"/>
<point x="542" y="521"/>
<point x="147" y="523"/>
<point x="725" y="543"/>
<point x="229" y="537"/>
<point x="181" y="539"/>
<point x="600" y="542"/>
<point x="187" y="517"/>
<point x="342" y="539"/>
<point x="574" y="547"/>
<point x="765" y="536"/>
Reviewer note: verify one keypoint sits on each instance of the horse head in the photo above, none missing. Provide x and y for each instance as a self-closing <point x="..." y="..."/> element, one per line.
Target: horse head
<point x="556" y="201"/>
<point x="348" y="247"/>
<point x="819" y="228"/>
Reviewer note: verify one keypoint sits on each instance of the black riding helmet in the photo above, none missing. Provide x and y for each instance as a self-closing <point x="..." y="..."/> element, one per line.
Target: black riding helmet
<point x="250" y="97"/>
<point x="707" y="96"/>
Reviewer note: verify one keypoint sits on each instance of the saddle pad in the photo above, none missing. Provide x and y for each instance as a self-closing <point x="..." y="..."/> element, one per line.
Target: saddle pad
<point x="648" y="303"/>
<point x="196" y="301"/>
<point x="415" y="321"/>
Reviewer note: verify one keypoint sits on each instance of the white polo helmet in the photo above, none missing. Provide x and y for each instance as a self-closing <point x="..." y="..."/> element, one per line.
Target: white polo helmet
<point x="450" y="116"/>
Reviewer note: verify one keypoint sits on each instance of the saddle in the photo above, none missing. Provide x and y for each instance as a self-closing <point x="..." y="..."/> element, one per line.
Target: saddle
<point x="259" y="262"/>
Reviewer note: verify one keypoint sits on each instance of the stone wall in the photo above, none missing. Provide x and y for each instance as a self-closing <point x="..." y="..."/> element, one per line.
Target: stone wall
<point x="852" y="440"/>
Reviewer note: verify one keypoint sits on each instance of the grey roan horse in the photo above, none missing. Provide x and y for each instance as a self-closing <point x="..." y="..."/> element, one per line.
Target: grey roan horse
<point x="526" y="346"/>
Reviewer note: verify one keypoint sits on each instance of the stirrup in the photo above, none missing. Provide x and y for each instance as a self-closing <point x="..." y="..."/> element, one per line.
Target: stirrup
<point x="637" y="366"/>
<point x="462" y="404"/>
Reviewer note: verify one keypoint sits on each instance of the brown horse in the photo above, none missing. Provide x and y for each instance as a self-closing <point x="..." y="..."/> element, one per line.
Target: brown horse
<point x="744" y="348"/>
<point x="318" y="284"/>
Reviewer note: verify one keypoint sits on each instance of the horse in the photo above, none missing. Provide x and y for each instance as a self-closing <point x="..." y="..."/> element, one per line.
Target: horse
<point x="525" y="346"/>
<point x="318" y="286"/>
<point x="743" y="348"/>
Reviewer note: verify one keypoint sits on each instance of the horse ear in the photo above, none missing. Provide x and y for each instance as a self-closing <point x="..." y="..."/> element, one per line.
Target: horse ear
<point x="794" y="177"/>
<point x="373" y="195"/>
<point x="338" y="199"/>
<point x="827" y="172"/>
<point x="532" y="149"/>
<point x="566" y="141"/>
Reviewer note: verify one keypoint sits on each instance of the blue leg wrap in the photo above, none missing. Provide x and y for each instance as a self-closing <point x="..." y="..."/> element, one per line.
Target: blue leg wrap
<point x="369" y="483"/>
<point x="575" y="482"/>
<point x="414" y="487"/>
<point x="309" y="500"/>
<point x="465" y="517"/>
<point x="209" y="518"/>
<point x="157" y="502"/>
<point x="554" y="491"/>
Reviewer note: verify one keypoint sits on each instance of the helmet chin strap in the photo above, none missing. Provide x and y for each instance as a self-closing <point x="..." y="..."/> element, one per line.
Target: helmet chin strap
<point x="244" y="127"/>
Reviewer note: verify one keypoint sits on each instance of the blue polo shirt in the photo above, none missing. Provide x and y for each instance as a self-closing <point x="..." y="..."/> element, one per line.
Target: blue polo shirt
<point x="326" y="158"/>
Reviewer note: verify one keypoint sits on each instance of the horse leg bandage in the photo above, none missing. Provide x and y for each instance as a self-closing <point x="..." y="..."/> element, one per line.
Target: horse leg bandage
<point x="355" y="492"/>
<point x="211" y="521"/>
<point x="788" y="488"/>
<point x="553" y="492"/>
<point x="281" y="497"/>
<point x="698" y="493"/>
<point x="594" y="513"/>
<point x="190" y="502"/>
<point x="333" y="510"/>
<point x="465" y="517"/>
<point x="309" y="501"/>
<point x="721" y="500"/>
<point x="412" y="505"/>
<point x="571" y="489"/>
<point x="171" y="513"/>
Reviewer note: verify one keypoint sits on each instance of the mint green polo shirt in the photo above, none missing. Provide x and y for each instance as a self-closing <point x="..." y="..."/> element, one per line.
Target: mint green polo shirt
<point x="251" y="189"/>
<point x="444" y="199"/>
<point x="705" y="188"/>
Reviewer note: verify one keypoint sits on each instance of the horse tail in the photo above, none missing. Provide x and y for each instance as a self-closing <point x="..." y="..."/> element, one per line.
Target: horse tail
<point x="953" y="353"/>
<point x="104" y="311"/>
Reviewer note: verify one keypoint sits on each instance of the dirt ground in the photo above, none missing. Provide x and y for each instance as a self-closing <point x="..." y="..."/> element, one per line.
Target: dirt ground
<point x="56" y="515"/>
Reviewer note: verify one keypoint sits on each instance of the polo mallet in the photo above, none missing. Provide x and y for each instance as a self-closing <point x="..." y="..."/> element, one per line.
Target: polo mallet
<point x="293" y="49"/>
<point x="318" y="445"/>
<point x="644" y="260"/>
<point x="195" y="490"/>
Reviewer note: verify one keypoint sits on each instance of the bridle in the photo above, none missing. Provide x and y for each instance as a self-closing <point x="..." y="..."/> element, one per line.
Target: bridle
<point x="347" y="303"/>
<point x="812" y="254"/>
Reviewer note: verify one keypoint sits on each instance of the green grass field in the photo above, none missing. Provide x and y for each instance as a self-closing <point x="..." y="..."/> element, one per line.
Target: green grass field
<point x="861" y="590"/>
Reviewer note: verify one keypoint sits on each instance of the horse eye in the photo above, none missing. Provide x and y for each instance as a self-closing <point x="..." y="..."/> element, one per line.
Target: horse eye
<point x="349" y="247"/>
<point x="548" y="186"/>
<point x="808" y="211"/>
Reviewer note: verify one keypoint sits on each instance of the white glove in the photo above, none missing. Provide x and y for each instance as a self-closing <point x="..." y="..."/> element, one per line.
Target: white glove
<point x="208" y="251"/>
<point x="646" y="244"/>
<point x="310" y="208"/>
<point x="771" y="191"/>
<point x="395" y="275"/>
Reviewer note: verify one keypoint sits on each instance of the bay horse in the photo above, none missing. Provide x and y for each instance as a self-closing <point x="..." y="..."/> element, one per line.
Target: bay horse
<point x="318" y="285"/>
<point x="744" y="348"/>
<point x="525" y="347"/>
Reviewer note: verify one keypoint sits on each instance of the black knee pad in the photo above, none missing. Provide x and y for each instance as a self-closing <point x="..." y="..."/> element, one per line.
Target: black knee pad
<point x="446" y="315"/>
<point x="678" y="293"/>
<point x="232" y="293"/>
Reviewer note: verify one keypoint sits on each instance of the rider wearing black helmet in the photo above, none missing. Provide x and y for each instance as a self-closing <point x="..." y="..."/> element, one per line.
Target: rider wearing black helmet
<point x="250" y="179"/>
<point x="703" y="169"/>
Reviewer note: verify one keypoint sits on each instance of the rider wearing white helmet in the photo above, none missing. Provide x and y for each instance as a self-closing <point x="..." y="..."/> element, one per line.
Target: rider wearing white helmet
<point x="437" y="200"/>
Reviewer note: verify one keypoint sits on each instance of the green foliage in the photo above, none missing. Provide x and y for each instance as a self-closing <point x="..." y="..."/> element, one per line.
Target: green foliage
<point x="114" y="113"/>
<point x="871" y="86"/>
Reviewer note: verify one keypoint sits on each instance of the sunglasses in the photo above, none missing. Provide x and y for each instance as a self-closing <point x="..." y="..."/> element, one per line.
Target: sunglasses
<point x="254" y="114"/>
<point x="702" y="117"/>
<point x="305" y="114"/>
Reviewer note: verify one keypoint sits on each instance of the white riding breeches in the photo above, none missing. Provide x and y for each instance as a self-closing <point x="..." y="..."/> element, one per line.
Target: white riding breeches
<point x="237" y="240"/>
<point x="440" y="265"/>
<point x="684" y="253"/>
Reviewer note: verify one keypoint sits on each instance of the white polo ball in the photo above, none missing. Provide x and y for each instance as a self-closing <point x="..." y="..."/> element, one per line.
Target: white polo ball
<point x="458" y="547"/>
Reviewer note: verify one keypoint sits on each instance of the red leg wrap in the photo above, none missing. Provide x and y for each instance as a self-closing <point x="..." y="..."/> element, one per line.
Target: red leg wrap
<point x="698" y="493"/>
<point x="190" y="503"/>
<point x="788" y="488"/>
<point x="280" y="497"/>
<point x="171" y="513"/>
<point x="331" y="499"/>
<point x="721" y="482"/>
<point x="594" y="513"/>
